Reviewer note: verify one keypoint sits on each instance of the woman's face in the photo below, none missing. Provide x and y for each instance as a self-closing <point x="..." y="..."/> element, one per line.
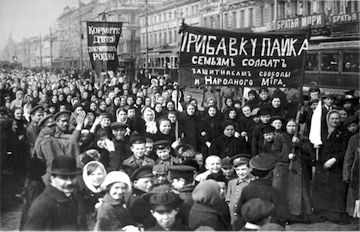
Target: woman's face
<point x="93" y="98"/>
<point x="14" y="126"/>
<point x="212" y="112"/>
<point x="276" y="102"/>
<point x="100" y="94"/>
<point x="290" y="127"/>
<point x="118" y="191"/>
<point x="343" y="114"/>
<point x="232" y="114"/>
<point x="68" y="98"/>
<point x="229" y="102"/>
<point x="138" y="101"/>
<point x="147" y="102"/>
<point x="165" y="127"/>
<point x="102" y="105"/>
<point x="122" y="101"/>
<point x="18" y="114"/>
<point x="170" y="106"/>
<point x="277" y="124"/>
<point x="130" y="101"/>
<point x="246" y="111"/>
<point x="105" y="122"/>
<point x="108" y="101"/>
<point x="61" y="97"/>
<point x="93" y="106"/>
<point x="54" y="99"/>
<point x="190" y="110"/>
<point x="172" y="118"/>
<point x="149" y="116"/>
<point x="229" y="131"/>
<point x="122" y="116"/>
<point x="97" y="177"/>
<point x="158" y="108"/>
<point x="117" y="101"/>
<point x="161" y="100"/>
<point x="334" y="119"/>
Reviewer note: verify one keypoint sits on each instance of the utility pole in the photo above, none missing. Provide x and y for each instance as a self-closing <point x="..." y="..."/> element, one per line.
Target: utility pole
<point x="40" y="52"/>
<point x="81" y="37"/>
<point x="146" y="40"/>
<point x="50" y="48"/>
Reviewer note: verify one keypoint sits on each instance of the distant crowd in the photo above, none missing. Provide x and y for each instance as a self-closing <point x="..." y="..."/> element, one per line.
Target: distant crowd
<point x="123" y="154"/>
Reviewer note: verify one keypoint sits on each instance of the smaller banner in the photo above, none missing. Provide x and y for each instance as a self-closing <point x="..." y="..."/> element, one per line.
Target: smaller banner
<point x="103" y="38"/>
<point x="220" y="57"/>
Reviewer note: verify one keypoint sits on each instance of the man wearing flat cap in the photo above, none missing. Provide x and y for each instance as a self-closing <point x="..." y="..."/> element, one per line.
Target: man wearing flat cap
<point x="256" y="212"/>
<point x="143" y="182"/>
<point x="262" y="166"/>
<point x="162" y="149"/>
<point x="165" y="208"/>
<point x="58" y="208"/>
<point x="241" y="164"/>
<point x="33" y="130"/>
<point x="328" y="100"/>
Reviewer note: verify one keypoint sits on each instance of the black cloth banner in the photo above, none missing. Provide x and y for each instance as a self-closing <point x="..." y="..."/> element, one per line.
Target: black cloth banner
<point x="103" y="38"/>
<point x="221" y="57"/>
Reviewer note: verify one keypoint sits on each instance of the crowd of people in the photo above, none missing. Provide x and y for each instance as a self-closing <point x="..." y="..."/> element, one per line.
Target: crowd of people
<point x="141" y="155"/>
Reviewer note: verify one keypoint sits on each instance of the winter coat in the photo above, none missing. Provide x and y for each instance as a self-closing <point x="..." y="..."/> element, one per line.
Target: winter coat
<point x="112" y="215"/>
<point x="228" y="146"/>
<point x="52" y="210"/>
<point x="294" y="183"/>
<point x="212" y="129"/>
<point x="329" y="192"/>
<point x="190" y="124"/>
<point x="176" y="227"/>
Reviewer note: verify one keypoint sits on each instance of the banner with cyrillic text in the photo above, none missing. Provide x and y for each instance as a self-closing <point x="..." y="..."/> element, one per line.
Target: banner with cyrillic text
<point x="103" y="38"/>
<point x="221" y="57"/>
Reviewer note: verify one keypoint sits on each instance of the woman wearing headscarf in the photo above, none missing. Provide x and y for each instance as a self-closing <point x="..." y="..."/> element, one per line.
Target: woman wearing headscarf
<point x="190" y="124"/>
<point x="112" y="214"/>
<point x="292" y="173"/>
<point x="210" y="129"/>
<point x="329" y="191"/>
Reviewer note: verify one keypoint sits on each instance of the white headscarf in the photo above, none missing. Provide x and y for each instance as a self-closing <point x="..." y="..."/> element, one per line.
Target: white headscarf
<point x="87" y="179"/>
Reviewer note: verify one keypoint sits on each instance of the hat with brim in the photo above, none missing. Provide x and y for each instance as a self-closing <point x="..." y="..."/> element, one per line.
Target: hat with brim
<point x="263" y="162"/>
<point x="61" y="114"/>
<point x="354" y="101"/>
<point x="240" y="159"/>
<point x="119" y="125"/>
<point x="142" y="172"/>
<point x="328" y="95"/>
<point x="276" y="117"/>
<point x="46" y="121"/>
<point x="36" y="108"/>
<point x="64" y="165"/>
<point x="116" y="176"/>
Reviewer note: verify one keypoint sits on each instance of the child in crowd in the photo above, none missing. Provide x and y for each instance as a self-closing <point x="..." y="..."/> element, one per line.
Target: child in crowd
<point x="235" y="187"/>
<point x="138" y="158"/>
<point x="268" y="134"/>
<point x="212" y="165"/>
<point x="162" y="150"/>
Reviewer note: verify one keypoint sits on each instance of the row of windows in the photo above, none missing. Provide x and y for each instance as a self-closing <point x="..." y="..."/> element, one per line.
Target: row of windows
<point x="172" y="15"/>
<point x="333" y="61"/>
<point x="161" y="62"/>
<point x="161" y="37"/>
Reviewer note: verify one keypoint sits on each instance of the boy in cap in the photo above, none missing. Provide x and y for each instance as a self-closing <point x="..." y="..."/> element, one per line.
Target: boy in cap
<point x="227" y="169"/>
<point x="262" y="166"/>
<point x="165" y="208"/>
<point x="122" y="151"/>
<point x="138" y="158"/>
<point x="268" y="132"/>
<point x="149" y="149"/>
<point x="160" y="172"/>
<point x="241" y="164"/>
<point x="162" y="150"/>
<point x="182" y="182"/>
<point x="33" y="130"/>
<point x="264" y="97"/>
<point x="256" y="212"/>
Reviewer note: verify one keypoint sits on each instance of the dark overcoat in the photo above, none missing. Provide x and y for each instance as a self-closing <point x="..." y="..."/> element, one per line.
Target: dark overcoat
<point x="329" y="191"/>
<point x="52" y="210"/>
<point x="294" y="183"/>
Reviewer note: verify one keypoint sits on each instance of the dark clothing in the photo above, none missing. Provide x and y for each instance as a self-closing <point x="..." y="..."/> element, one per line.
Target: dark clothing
<point x="184" y="209"/>
<point x="261" y="188"/>
<point x="117" y="157"/>
<point x="112" y="215"/>
<point x="190" y="124"/>
<point x="257" y="139"/>
<point x="212" y="129"/>
<point x="294" y="183"/>
<point x="140" y="209"/>
<point x="176" y="227"/>
<point x="228" y="146"/>
<point x="52" y="210"/>
<point x="204" y="215"/>
<point x="329" y="192"/>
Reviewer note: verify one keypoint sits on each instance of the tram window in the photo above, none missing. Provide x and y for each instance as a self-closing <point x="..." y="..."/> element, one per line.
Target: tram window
<point x="351" y="62"/>
<point x="311" y="62"/>
<point x="330" y="62"/>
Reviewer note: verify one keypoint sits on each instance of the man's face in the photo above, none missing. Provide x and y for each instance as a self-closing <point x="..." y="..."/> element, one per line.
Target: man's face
<point x="145" y="184"/>
<point x="222" y="186"/>
<point x="269" y="137"/>
<point x="199" y="159"/>
<point x="119" y="133"/>
<point x="165" y="218"/>
<point x="105" y="122"/>
<point x="64" y="183"/>
<point x="242" y="171"/>
<point x="63" y="123"/>
<point x="138" y="150"/>
<point x="163" y="154"/>
<point x="160" y="178"/>
<point x="328" y="101"/>
<point x="37" y="116"/>
<point x="314" y="95"/>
